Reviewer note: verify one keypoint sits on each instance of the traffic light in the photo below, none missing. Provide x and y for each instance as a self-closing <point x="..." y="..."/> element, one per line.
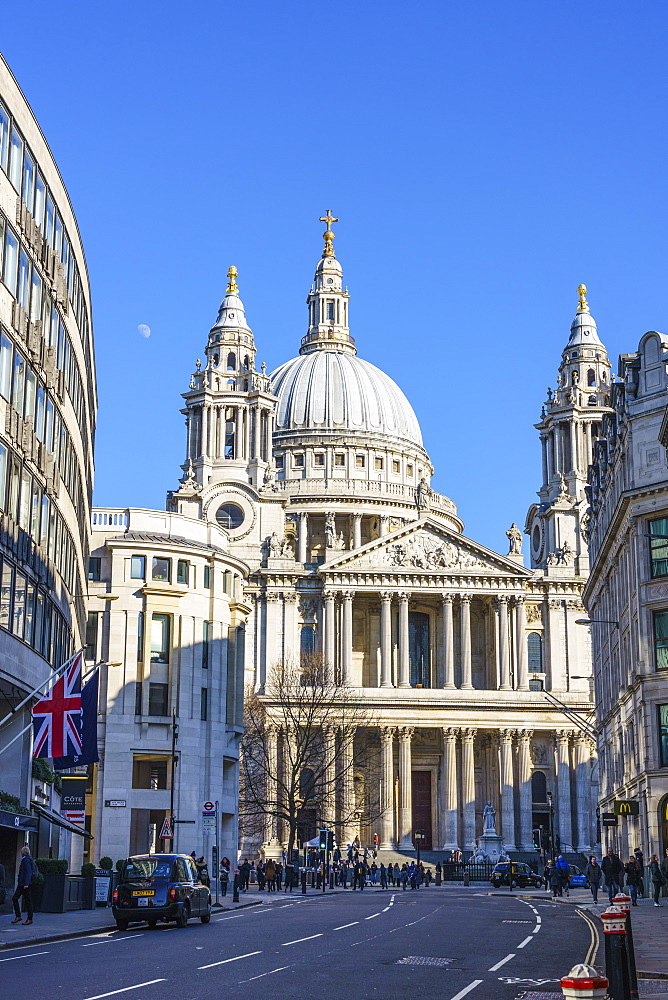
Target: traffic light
<point x="537" y="837"/>
<point x="330" y="840"/>
<point x="323" y="839"/>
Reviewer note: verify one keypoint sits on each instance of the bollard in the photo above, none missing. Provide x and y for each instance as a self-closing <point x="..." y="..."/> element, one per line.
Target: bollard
<point x="438" y="878"/>
<point x="235" y="892"/>
<point x="616" y="959"/>
<point x="466" y="878"/>
<point x="624" y="904"/>
<point x="584" y="981"/>
<point x="303" y="883"/>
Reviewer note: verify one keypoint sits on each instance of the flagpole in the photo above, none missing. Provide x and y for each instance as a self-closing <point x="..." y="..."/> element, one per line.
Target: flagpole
<point x="18" y="735"/>
<point x="38" y="689"/>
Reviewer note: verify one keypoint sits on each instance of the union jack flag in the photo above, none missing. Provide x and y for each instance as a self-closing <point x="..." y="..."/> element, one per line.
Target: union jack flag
<point x="57" y="718"/>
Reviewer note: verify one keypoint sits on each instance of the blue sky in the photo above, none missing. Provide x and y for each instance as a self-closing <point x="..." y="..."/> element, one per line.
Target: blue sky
<point x="483" y="159"/>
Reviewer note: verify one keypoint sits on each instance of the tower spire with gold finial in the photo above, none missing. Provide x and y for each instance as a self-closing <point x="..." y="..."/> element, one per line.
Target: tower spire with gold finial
<point x="232" y="287"/>
<point x="583" y="305"/>
<point x="328" y="235"/>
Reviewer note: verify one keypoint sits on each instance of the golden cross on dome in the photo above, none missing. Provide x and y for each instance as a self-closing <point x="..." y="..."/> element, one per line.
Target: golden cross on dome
<point x="232" y="287"/>
<point x="328" y="235"/>
<point x="583" y="305"/>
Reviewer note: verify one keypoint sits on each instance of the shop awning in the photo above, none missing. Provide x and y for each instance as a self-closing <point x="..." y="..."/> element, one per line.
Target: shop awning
<point x="54" y="817"/>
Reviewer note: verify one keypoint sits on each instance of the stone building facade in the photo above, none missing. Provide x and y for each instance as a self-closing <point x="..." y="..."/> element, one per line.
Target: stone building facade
<point x="627" y="599"/>
<point x="472" y="664"/>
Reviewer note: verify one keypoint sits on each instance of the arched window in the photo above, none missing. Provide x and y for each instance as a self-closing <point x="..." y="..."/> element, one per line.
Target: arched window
<point x="535" y="652"/>
<point x="591" y="377"/>
<point x="307" y="640"/>
<point x="538" y="786"/>
<point x="246" y="362"/>
<point x="591" y="401"/>
<point x="231" y="362"/>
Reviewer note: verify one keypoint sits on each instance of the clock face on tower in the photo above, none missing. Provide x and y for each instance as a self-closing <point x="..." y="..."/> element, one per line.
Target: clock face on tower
<point x="536" y="541"/>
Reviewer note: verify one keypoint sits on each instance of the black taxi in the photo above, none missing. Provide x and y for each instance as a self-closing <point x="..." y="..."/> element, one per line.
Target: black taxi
<point x="165" y="887"/>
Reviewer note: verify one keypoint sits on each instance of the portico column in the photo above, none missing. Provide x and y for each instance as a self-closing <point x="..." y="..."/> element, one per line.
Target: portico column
<point x="329" y="769"/>
<point x="382" y="526"/>
<point x="347" y="639"/>
<point x="405" y="789"/>
<point x="524" y="777"/>
<point x="564" y="789"/>
<point x="270" y="632"/>
<point x="521" y="667"/>
<point x="357" y="531"/>
<point x="465" y="609"/>
<point x="543" y="441"/>
<point x="303" y="537"/>
<point x="404" y="652"/>
<point x="507" y="789"/>
<point x="386" y="787"/>
<point x="272" y="784"/>
<point x="386" y="639"/>
<point x="238" y="434"/>
<point x="448" y="643"/>
<point x="291" y="644"/>
<point x="468" y="787"/>
<point x="330" y="633"/>
<point x="582" y="790"/>
<point x="347" y="818"/>
<point x="501" y="608"/>
<point x="450" y="798"/>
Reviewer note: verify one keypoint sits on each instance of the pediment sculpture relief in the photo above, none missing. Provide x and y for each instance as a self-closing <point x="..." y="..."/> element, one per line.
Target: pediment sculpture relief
<point x="430" y="552"/>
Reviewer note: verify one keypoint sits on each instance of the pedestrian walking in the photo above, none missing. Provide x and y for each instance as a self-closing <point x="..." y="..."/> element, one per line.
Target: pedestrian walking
<point x="664" y="868"/>
<point x="612" y="869"/>
<point x="594" y="876"/>
<point x="641" y="864"/>
<point x="260" y="877"/>
<point x="27" y="872"/>
<point x="278" y="876"/>
<point x="564" y="870"/>
<point x="556" y="884"/>
<point x="224" y="875"/>
<point x="633" y="878"/>
<point x="270" y="875"/>
<point x="397" y="874"/>
<point x="383" y="876"/>
<point x="244" y="871"/>
<point x="657" y="878"/>
<point x="404" y="876"/>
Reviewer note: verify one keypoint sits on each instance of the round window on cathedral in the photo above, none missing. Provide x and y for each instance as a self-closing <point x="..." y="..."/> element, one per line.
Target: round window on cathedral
<point x="536" y="537"/>
<point x="229" y="515"/>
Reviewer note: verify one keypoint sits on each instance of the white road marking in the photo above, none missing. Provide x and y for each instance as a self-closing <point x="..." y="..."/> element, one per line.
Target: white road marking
<point x="223" y="962"/>
<point x="15" y="957"/>
<point x="280" y="908"/>
<point x="299" y="940"/>
<point x="372" y="916"/>
<point x="386" y="909"/>
<point x="539" y="919"/>
<point x="343" y="926"/>
<point x="536" y="929"/>
<point x="109" y="940"/>
<point x="125" y="989"/>
<point x="467" y="989"/>
<point x="218" y="919"/>
<point x="502" y="962"/>
<point x="282" y="969"/>
<point x="525" y="942"/>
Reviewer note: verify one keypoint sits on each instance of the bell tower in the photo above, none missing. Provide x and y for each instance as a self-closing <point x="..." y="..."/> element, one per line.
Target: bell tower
<point x="327" y="302"/>
<point x="569" y="425"/>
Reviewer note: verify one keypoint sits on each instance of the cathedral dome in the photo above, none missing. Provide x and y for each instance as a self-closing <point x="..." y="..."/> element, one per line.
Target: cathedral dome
<point x="338" y="392"/>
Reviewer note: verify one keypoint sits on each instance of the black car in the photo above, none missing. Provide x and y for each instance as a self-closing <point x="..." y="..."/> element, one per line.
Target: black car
<point x="164" y="887"/>
<point x="522" y="875"/>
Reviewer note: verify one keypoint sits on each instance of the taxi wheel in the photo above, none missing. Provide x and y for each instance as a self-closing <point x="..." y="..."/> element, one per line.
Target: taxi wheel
<point x="122" y="925"/>
<point x="206" y="917"/>
<point x="182" y="919"/>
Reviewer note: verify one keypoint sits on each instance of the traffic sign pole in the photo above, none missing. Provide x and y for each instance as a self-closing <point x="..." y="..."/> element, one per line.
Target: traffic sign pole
<point x="215" y="866"/>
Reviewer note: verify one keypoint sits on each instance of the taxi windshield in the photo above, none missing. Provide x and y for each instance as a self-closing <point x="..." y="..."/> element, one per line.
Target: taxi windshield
<point x="146" y="868"/>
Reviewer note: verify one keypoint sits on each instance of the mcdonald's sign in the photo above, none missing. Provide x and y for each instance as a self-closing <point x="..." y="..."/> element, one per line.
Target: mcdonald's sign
<point x="626" y="807"/>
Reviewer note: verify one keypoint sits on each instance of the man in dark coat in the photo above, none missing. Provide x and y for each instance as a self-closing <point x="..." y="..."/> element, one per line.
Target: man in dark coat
<point x="612" y="869"/>
<point x="27" y="872"/>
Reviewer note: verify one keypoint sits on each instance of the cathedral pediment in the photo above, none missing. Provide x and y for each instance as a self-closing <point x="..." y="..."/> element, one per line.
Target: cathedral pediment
<point x="425" y="546"/>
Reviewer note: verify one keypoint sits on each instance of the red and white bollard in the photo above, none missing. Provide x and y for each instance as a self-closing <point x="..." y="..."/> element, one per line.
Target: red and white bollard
<point x="616" y="958"/>
<point x="584" y="981"/>
<point x="624" y="904"/>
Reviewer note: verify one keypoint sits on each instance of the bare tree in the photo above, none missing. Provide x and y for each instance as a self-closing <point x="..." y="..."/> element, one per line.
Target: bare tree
<point x="306" y="740"/>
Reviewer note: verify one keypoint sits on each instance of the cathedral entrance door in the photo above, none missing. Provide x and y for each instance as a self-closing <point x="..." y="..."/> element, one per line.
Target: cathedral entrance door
<point x="418" y="646"/>
<point x="421" y="785"/>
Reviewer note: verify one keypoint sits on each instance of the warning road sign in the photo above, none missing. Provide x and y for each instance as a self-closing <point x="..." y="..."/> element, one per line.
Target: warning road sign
<point x="166" y="833"/>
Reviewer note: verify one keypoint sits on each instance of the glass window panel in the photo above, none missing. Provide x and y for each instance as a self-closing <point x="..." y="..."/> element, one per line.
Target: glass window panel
<point x="140" y="639"/>
<point x="659" y="546"/>
<point x="52" y="532"/>
<point x="2" y="239"/>
<point x="663" y="735"/>
<point x="14" y="486"/>
<point x="91" y="635"/>
<point x="34" y="514"/>
<point x="11" y="261"/>
<point x="5" y="366"/>
<point x="661" y="639"/>
<point x="39" y="414"/>
<point x="3" y="475"/>
<point x="30" y="388"/>
<point x="26" y="497"/>
<point x="138" y="567"/>
<point x="48" y="427"/>
<point x="161" y="569"/>
<point x="19" y="610"/>
<point x="95" y="569"/>
<point x="28" y="180"/>
<point x="535" y="653"/>
<point x="29" y="614"/>
<point x="46" y="635"/>
<point x="182" y="571"/>
<point x="36" y="297"/>
<point x="49" y="220"/>
<point x="23" y="293"/>
<point x="58" y="245"/>
<point x="6" y="591"/>
<point x="39" y="621"/>
<point x="157" y="699"/>
<point x="4" y="137"/>
<point x="44" y="526"/>
<point x="16" y="159"/>
<point x="204" y="704"/>
<point x="18" y="389"/>
<point x="206" y="634"/>
<point x="160" y="638"/>
<point x="40" y="197"/>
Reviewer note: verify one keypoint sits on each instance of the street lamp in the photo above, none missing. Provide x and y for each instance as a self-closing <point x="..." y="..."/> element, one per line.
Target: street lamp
<point x="596" y="621"/>
<point x="418" y="836"/>
<point x="551" y="824"/>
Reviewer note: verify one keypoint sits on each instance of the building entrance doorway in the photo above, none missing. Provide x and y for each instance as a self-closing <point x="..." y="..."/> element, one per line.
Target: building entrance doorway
<point x="421" y="785"/>
<point x="663" y="826"/>
<point x="418" y="645"/>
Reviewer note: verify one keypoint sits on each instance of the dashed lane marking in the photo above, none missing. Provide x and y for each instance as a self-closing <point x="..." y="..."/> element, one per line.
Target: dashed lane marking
<point x="525" y="942"/>
<point x="235" y="917"/>
<point x="126" y="937"/>
<point x="372" y="916"/>
<point x="31" y="955"/>
<point x="467" y="989"/>
<point x="282" y="969"/>
<point x="502" y="962"/>
<point x="343" y="926"/>
<point x="299" y="940"/>
<point x="137" y="986"/>
<point x="224" y="961"/>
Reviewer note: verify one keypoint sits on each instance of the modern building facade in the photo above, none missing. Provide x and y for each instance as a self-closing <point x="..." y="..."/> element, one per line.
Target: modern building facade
<point x="320" y="476"/>
<point x="627" y="599"/>
<point x="47" y="420"/>
<point x="169" y="631"/>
